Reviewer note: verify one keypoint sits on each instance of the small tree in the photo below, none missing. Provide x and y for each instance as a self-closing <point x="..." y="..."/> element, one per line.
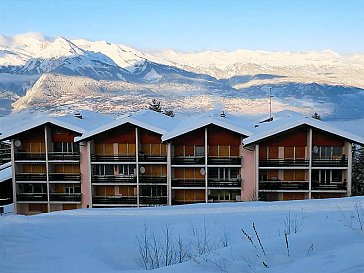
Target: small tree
<point x="155" y="106"/>
<point x="316" y="116"/>
<point x="169" y="113"/>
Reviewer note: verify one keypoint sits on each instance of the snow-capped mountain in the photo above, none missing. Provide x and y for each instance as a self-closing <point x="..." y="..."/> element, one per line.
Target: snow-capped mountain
<point x="61" y="74"/>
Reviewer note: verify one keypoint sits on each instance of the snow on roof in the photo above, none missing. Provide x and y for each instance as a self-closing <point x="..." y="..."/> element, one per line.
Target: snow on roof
<point x="147" y="119"/>
<point x="354" y="126"/>
<point x="20" y="122"/>
<point x="230" y="122"/>
<point x="286" y="121"/>
<point x="5" y="172"/>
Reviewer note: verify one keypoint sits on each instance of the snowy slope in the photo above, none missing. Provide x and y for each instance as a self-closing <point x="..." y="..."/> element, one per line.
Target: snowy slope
<point x="323" y="236"/>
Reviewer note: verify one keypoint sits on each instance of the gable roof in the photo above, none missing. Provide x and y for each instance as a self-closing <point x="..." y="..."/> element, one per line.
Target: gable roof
<point x="146" y="119"/>
<point x="269" y="129"/>
<point x="16" y="123"/>
<point x="228" y="122"/>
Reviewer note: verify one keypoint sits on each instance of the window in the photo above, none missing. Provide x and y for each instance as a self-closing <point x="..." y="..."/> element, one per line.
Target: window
<point x="224" y="173"/>
<point x="66" y="147"/>
<point x="103" y="170"/>
<point x="126" y="169"/>
<point x="199" y="151"/>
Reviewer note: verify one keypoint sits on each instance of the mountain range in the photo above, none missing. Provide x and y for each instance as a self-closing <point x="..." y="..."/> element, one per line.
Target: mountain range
<point x="61" y="75"/>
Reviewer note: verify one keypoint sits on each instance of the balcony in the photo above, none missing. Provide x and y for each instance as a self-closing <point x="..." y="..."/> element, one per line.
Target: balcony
<point x="31" y="177"/>
<point x="153" y="200"/>
<point x="224" y="183"/>
<point x="152" y="158"/>
<point x="113" y="179"/>
<point x="283" y="185"/>
<point x="122" y="200"/>
<point x="113" y="158"/>
<point x="188" y="160"/>
<point x="63" y="156"/>
<point x="153" y="179"/>
<point x="64" y="197"/>
<point x="284" y="162"/>
<point x="343" y="162"/>
<point x="212" y="160"/>
<point x="32" y="197"/>
<point x="183" y="182"/>
<point x="64" y="177"/>
<point x="30" y="156"/>
<point x="335" y="186"/>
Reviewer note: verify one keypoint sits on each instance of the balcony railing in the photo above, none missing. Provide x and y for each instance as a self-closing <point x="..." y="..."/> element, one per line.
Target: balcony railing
<point x="188" y="160"/>
<point x="153" y="200"/>
<point x="224" y="183"/>
<point x="283" y="185"/>
<point x="64" y="197"/>
<point x="64" y="177"/>
<point x="212" y="160"/>
<point x="29" y="156"/>
<point x="113" y="158"/>
<point x="63" y="156"/>
<point x="31" y="177"/>
<point x="331" y="186"/>
<point x="343" y="162"/>
<point x="284" y="162"/>
<point x="188" y="182"/>
<point x="183" y="202"/>
<point x="113" y="179"/>
<point x="32" y="197"/>
<point x="152" y="158"/>
<point x="123" y="200"/>
<point x="152" y="179"/>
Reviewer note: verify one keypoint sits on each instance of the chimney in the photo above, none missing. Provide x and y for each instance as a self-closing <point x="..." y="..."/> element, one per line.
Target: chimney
<point x="222" y="114"/>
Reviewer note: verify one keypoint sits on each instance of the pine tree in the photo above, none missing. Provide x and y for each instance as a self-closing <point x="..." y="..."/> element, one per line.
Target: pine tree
<point x="155" y="106"/>
<point x="358" y="170"/>
<point x="316" y="116"/>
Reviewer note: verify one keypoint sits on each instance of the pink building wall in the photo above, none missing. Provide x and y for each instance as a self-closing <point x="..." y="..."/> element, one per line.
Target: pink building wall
<point x="248" y="173"/>
<point x="85" y="165"/>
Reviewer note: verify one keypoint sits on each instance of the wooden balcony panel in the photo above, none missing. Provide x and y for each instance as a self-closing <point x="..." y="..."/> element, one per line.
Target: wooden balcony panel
<point x="188" y="160"/>
<point x="284" y="163"/>
<point x="188" y="183"/>
<point x="113" y="179"/>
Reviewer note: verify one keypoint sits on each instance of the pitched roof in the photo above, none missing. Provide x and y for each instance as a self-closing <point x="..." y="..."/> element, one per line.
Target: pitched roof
<point x="147" y="119"/>
<point x="230" y="122"/>
<point x="5" y="172"/>
<point x="265" y="130"/>
<point x="16" y="123"/>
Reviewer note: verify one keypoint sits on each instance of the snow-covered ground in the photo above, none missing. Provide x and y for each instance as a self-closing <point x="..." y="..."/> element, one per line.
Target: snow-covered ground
<point x="323" y="236"/>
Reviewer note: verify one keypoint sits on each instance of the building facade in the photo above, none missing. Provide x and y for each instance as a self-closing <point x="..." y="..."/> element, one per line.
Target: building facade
<point x="150" y="159"/>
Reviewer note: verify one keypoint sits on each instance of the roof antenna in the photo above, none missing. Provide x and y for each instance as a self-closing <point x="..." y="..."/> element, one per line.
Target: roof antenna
<point x="270" y="104"/>
<point x="222" y="114"/>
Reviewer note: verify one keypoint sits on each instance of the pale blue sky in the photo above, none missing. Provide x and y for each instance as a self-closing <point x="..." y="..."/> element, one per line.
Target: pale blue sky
<point x="189" y="25"/>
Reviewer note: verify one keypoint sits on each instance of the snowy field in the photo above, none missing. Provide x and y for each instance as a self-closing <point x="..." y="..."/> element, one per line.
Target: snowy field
<point x="291" y="236"/>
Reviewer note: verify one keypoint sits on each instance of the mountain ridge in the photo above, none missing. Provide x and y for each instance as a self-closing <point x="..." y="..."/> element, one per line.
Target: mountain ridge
<point x="217" y="76"/>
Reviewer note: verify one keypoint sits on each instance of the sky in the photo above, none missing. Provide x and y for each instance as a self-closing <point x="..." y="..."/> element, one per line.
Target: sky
<point x="195" y="25"/>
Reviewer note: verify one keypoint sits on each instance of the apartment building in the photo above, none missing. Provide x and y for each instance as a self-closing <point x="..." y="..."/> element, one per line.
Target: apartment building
<point x="150" y="159"/>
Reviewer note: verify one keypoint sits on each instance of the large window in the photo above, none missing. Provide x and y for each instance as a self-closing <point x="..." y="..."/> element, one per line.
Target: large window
<point x="327" y="152"/>
<point x="66" y="147"/>
<point x="224" y="173"/>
